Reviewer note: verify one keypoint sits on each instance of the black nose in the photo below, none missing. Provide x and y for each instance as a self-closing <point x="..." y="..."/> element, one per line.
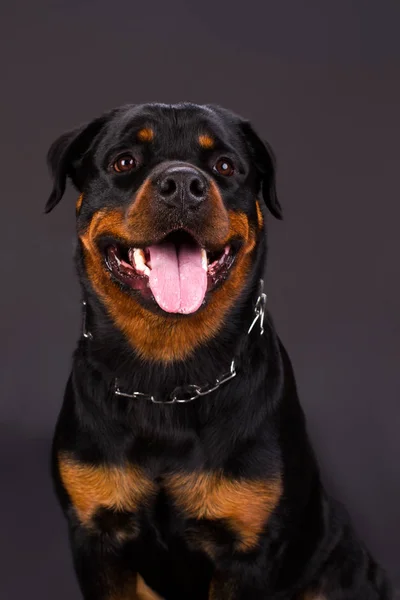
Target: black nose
<point x="182" y="186"/>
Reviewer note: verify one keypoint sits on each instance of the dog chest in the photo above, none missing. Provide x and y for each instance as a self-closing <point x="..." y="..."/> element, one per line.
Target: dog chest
<point x="115" y="494"/>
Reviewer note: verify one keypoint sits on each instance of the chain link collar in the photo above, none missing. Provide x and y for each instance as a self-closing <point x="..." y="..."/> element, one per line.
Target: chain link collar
<point x="187" y="393"/>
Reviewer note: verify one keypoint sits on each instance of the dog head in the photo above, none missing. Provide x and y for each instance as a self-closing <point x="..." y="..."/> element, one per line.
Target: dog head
<point x="169" y="217"/>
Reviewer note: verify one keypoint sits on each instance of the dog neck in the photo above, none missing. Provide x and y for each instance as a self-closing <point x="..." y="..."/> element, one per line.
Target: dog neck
<point x="176" y="383"/>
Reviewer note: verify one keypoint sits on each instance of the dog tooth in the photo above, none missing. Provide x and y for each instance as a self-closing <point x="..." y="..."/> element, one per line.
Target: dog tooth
<point x="204" y="260"/>
<point x="140" y="262"/>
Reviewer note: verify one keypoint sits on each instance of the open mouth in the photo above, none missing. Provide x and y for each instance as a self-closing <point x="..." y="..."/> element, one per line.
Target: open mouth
<point x="177" y="272"/>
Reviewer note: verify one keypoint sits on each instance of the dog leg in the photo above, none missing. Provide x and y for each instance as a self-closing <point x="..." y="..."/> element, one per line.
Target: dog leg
<point x="103" y="570"/>
<point x="226" y="587"/>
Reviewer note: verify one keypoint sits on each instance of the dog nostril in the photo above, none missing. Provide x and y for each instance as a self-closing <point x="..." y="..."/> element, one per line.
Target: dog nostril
<point x="167" y="187"/>
<point x="197" y="188"/>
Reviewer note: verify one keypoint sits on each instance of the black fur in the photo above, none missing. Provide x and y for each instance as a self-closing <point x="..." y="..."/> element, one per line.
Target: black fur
<point x="252" y="427"/>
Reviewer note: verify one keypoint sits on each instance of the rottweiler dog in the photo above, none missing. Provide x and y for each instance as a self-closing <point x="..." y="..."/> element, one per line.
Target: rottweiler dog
<point x="181" y="457"/>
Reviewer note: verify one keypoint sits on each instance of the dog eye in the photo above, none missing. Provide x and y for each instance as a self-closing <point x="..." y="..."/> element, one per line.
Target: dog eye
<point x="224" y="166"/>
<point x="124" y="163"/>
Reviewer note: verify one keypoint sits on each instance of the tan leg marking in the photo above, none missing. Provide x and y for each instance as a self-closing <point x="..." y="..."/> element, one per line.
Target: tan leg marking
<point x="144" y="592"/>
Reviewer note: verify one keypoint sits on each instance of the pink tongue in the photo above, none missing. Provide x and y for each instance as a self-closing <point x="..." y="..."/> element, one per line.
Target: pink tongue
<point x="177" y="279"/>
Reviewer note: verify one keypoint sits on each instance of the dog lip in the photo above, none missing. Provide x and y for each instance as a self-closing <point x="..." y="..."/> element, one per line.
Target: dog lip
<point x="106" y="240"/>
<point x="117" y="265"/>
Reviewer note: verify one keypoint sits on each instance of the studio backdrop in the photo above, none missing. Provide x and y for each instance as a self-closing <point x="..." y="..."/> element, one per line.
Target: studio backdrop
<point x="320" y="81"/>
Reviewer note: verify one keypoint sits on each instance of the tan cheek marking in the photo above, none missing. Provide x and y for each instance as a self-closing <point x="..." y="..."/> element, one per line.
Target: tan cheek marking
<point x="79" y="204"/>
<point x="245" y="504"/>
<point x="260" y="218"/>
<point x="92" y="487"/>
<point x="217" y="221"/>
<point x="240" y="227"/>
<point x="142" y="215"/>
<point x="146" y="134"/>
<point x="206" y="141"/>
<point x="103" y="221"/>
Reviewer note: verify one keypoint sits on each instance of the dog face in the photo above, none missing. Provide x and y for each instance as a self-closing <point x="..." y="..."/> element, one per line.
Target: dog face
<point x="168" y="217"/>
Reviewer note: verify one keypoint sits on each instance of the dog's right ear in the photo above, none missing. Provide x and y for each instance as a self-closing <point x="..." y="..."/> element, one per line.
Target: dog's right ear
<point x="65" y="157"/>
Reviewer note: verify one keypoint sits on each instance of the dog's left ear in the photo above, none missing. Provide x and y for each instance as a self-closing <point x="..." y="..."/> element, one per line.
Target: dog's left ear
<point x="65" y="157"/>
<point x="264" y="161"/>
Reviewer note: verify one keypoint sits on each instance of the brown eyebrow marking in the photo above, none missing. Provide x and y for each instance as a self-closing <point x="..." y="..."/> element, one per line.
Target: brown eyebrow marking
<point x="146" y="134"/>
<point x="206" y="141"/>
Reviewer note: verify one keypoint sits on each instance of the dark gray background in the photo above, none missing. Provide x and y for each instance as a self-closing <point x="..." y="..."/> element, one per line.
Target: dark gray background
<point x="320" y="80"/>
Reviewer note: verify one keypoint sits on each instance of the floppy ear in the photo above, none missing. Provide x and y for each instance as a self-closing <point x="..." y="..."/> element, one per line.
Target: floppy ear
<point x="264" y="161"/>
<point x="65" y="156"/>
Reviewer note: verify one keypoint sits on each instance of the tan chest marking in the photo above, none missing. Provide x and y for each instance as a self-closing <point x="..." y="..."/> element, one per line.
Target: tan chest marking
<point x="245" y="504"/>
<point x="92" y="487"/>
